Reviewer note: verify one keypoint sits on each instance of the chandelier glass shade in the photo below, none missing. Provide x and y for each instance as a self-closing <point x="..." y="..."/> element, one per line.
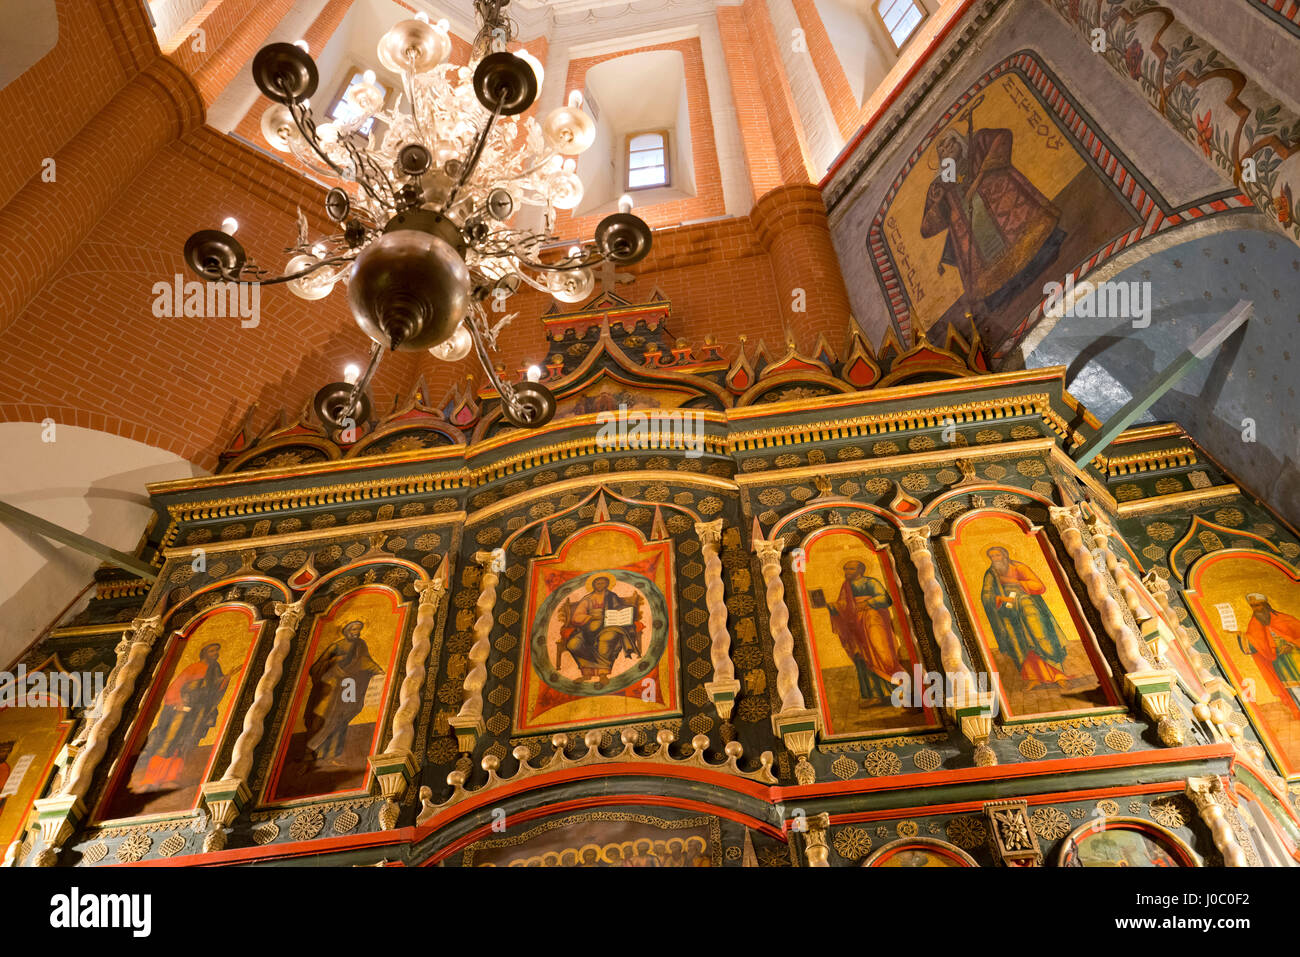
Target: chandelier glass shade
<point x="432" y="202"/>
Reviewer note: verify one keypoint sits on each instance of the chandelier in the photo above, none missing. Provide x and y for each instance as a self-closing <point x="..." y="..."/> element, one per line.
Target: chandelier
<point x="430" y="235"/>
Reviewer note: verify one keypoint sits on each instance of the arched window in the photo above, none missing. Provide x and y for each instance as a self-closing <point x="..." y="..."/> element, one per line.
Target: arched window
<point x="901" y="18"/>
<point x="343" y="111"/>
<point x="647" y="160"/>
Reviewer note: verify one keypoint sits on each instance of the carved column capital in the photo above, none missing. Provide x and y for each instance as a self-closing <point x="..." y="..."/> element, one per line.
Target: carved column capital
<point x="709" y="533"/>
<point x="431" y="591"/>
<point x="145" y="631"/>
<point x="769" y="552"/>
<point x="289" y="614"/>
<point x="494" y="559"/>
<point x="817" y="849"/>
<point x="918" y="537"/>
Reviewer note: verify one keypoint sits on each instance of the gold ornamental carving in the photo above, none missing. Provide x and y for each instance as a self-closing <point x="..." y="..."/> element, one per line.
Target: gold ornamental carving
<point x="559" y="760"/>
<point x="1011" y="832"/>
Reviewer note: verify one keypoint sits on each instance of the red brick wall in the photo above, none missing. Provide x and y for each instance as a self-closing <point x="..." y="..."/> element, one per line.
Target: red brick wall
<point x="782" y="116"/>
<point x="90" y="63"/>
<point x="89" y="350"/>
<point x="761" y="159"/>
<point x="830" y="71"/>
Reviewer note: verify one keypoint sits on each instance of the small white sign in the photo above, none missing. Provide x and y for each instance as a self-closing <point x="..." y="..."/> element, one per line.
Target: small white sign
<point x="16" y="775"/>
<point x="1227" y="617"/>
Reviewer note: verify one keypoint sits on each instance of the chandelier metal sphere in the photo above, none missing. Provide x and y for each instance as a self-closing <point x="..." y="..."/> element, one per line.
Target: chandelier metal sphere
<point x="431" y="203"/>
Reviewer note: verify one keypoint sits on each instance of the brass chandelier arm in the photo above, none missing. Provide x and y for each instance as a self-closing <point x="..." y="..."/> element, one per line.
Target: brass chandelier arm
<point x="332" y="261"/>
<point x="485" y="357"/>
<point x="472" y="163"/>
<point x="302" y="119"/>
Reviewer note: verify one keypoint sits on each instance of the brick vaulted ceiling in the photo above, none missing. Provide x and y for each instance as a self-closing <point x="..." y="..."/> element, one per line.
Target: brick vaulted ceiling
<point x="121" y="122"/>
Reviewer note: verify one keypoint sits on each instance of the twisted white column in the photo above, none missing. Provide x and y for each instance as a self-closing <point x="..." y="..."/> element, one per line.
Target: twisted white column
<point x="468" y="722"/>
<point x="972" y="708"/>
<point x="57" y="813"/>
<point x="241" y="757"/>
<point x="408" y="701"/>
<point x="724" y="686"/>
<point x="917" y="542"/>
<point x="1158" y="589"/>
<point x="1152" y="686"/>
<point x="144" y="632"/>
<point x="1068" y="520"/>
<point x="795" y="723"/>
<point x="787" y="669"/>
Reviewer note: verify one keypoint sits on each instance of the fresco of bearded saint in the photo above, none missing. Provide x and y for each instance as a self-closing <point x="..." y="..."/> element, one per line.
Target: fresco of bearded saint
<point x="1272" y="638"/>
<point x="1001" y="231"/>
<point x="860" y="619"/>
<point x="339" y="680"/>
<point x="1026" y="632"/>
<point x="597" y="629"/>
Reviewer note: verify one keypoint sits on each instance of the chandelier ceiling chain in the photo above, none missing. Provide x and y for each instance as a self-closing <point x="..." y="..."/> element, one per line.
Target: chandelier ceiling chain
<point x="431" y="189"/>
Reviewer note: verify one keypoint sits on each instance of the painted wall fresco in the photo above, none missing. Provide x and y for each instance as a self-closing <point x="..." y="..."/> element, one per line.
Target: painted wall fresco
<point x="1248" y="605"/>
<point x="1030" y="628"/>
<point x="341" y="696"/>
<point x="1001" y="196"/>
<point x="175" y="741"/>
<point x="1204" y="95"/>
<point x="859" y="634"/>
<point x="602" y="638"/>
<point x="605" y="839"/>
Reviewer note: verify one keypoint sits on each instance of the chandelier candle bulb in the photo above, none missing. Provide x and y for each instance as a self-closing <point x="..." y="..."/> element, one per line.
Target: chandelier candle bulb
<point x="229" y="225"/>
<point x="351" y="373"/>
<point x="535" y="63"/>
